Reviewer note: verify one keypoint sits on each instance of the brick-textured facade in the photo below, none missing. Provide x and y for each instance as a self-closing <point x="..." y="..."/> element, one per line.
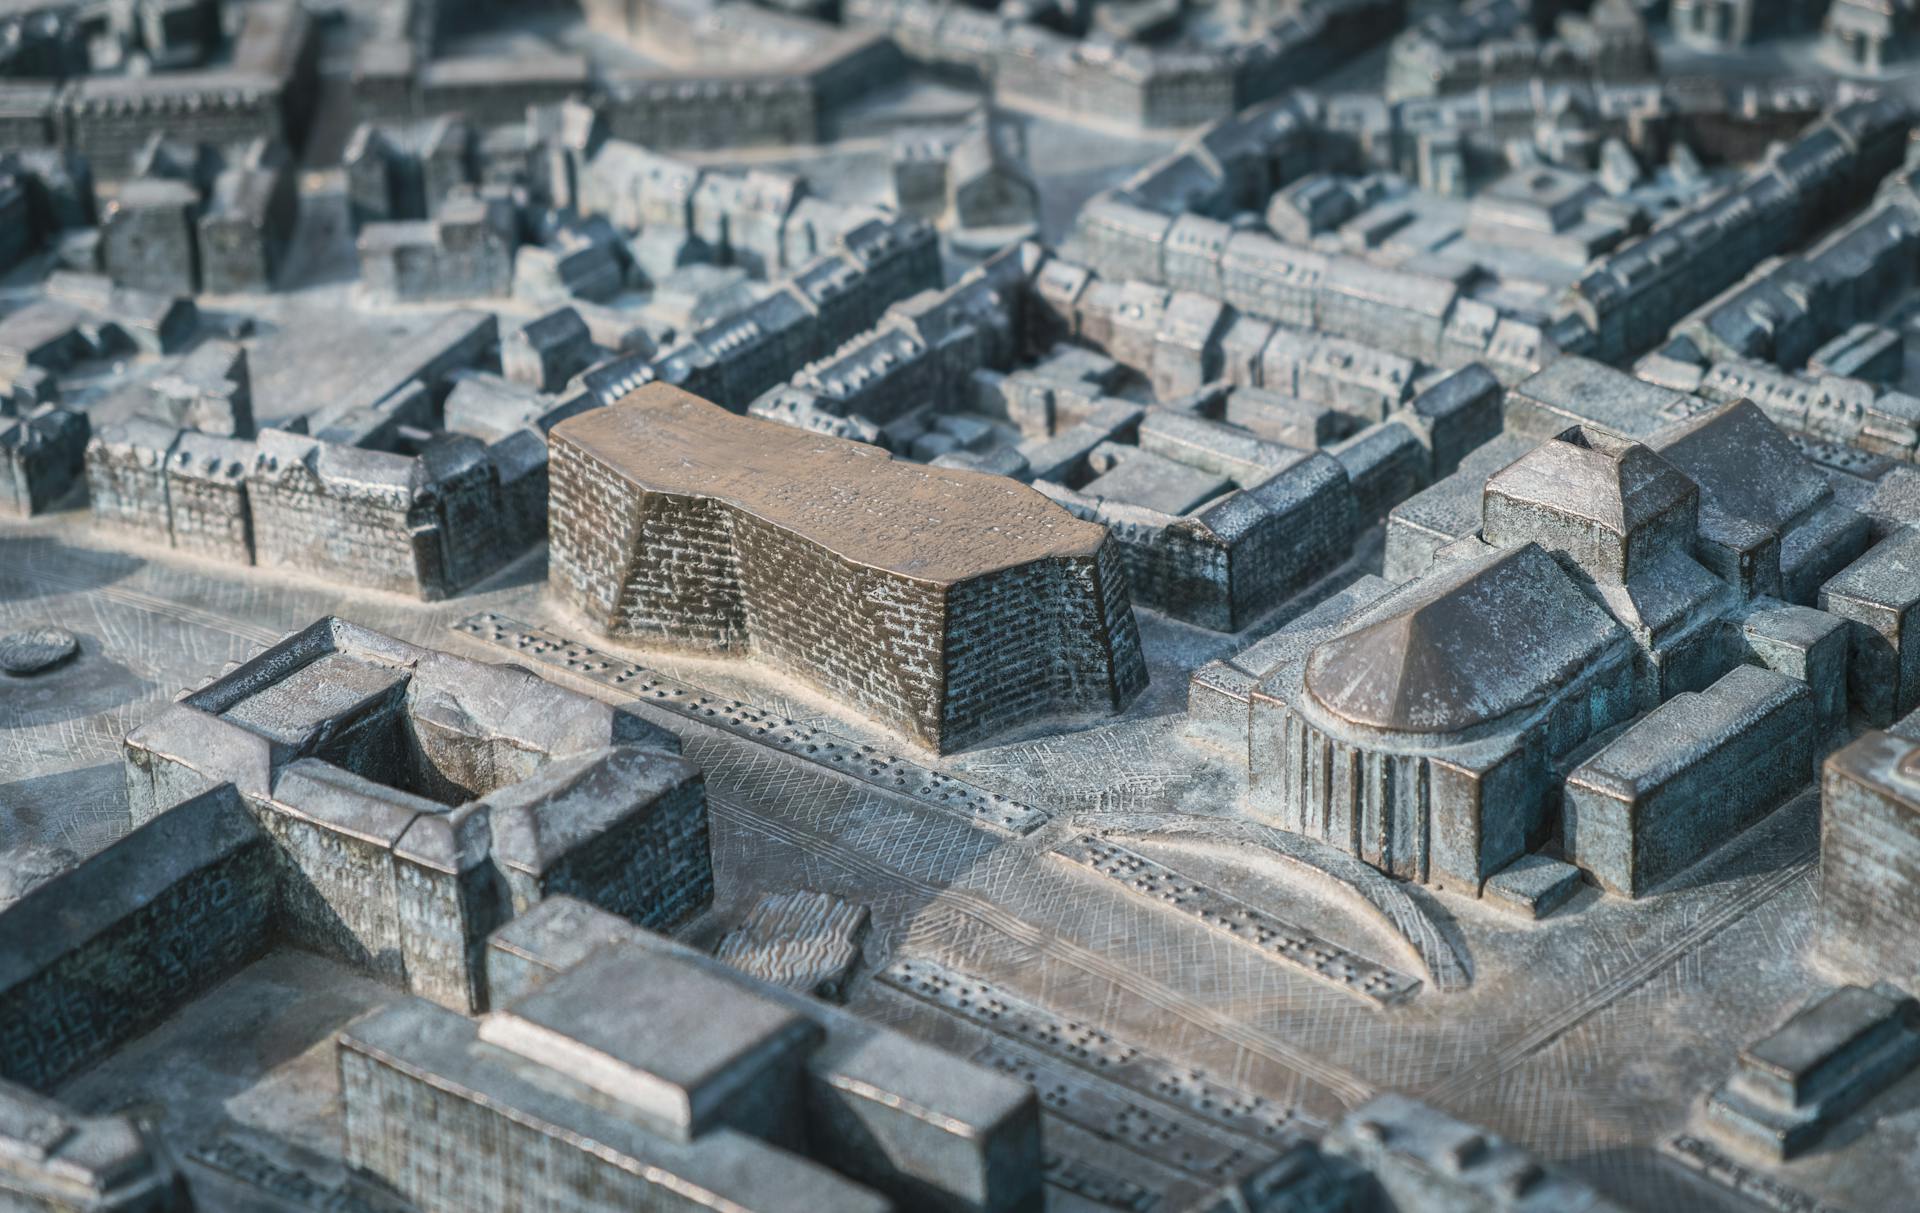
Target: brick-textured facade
<point x="106" y="954"/>
<point x="426" y="525"/>
<point x="1870" y="858"/>
<point x="950" y="605"/>
<point x="391" y="806"/>
<point x="495" y="1115"/>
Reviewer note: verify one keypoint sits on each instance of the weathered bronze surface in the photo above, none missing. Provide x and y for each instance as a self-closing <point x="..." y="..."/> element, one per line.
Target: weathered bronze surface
<point x="888" y="606"/>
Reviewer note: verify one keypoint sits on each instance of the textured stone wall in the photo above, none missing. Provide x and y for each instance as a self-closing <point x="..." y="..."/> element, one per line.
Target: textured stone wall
<point x="211" y="516"/>
<point x="336" y="893"/>
<point x="447" y="1151"/>
<point x="588" y="565"/>
<point x="110" y="130"/>
<point x="946" y="657"/>
<point x="1036" y="639"/>
<point x="1870" y="859"/>
<point x="127" y="484"/>
<point x="653" y="869"/>
<point x="447" y="903"/>
<point x="1007" y="658"/>
<point x="691" y="112"/>
<point x="1225" y="567"/>
<point x="865" y="636"/>
<point x="116" y="986"/>
<point x="162" y="915"/>
<point x="1178" y="566"/>
<point x="1104" y="617"/>
<point x="468" y="522"/>
<point x="692" y="592"/>
<point x="1304" y="530"/>
<point x="362" y="516"/>
<point x="299" y="524"/>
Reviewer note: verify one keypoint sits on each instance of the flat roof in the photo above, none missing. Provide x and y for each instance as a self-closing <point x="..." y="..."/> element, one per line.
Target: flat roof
<point x="928" y="523"/>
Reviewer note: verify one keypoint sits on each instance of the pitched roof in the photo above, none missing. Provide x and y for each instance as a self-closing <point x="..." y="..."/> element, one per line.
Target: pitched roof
<point x="1592" y="474"/>
<point x="1464" y="645"/>
<point x="1745" y="467"/>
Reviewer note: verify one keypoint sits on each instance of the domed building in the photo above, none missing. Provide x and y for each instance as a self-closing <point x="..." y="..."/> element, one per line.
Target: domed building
<point x="1419" y="736"/>
<point x="1430" y="730"/>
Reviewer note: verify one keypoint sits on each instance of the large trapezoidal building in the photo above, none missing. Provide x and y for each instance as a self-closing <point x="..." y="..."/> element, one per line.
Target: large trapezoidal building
<point x="949" y="604"/>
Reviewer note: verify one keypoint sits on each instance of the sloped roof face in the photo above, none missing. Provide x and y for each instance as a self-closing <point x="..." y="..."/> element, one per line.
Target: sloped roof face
<point x="1464" y="646"/>
<point x="1745" y="467"/>
<point x="1590" y="474"/>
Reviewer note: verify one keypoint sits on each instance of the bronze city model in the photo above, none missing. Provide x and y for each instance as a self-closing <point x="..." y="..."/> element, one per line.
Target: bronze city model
<point x="1194" y="606"/>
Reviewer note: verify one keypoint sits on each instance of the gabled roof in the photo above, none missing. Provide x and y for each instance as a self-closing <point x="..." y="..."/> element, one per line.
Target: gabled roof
<point x="1745" y="467"/>
<point x="1465" y="645"/>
